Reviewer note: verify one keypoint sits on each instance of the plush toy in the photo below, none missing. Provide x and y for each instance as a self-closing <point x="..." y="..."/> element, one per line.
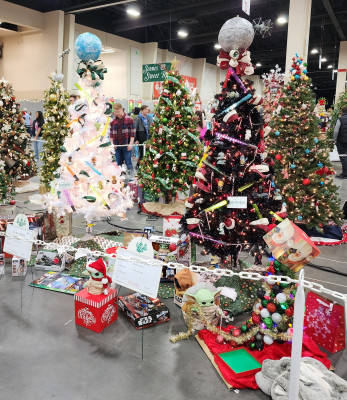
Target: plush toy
<point x="184" y="279"/>
<point x="98" y="282"/>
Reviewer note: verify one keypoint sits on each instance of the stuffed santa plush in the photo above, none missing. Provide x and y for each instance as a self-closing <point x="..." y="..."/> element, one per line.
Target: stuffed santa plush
<point x="98" y="282"/>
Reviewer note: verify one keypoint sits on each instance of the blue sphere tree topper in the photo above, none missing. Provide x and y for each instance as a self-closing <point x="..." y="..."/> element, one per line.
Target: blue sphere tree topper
<point x="88" y="47"/>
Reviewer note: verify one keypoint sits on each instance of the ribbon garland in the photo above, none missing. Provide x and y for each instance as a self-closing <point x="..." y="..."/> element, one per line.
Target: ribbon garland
<point x="96" y="69"/>
<point x="231" y="139"/>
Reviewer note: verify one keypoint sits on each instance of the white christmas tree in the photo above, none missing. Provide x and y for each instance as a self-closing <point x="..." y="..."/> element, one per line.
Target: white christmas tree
<point x="88" y="181"/>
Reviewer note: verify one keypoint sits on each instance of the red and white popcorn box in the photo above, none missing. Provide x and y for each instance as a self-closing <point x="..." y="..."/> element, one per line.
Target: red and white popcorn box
<point x="95" y="312"/>
<point x="172" y="226"/>
<point x="325" y="322"/>
<point x="134" y="188"/>
<point x="290" y="245"/>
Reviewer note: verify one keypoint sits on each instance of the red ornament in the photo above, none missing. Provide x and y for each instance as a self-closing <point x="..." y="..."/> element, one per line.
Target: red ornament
<point x="256" y="319"/>
<point x="289" y="311"/>
<point x="271" y="307"/>
<point x="174" y="231"/>
<point x="172" y="246"/>
<point x="291" y="199"/>
<point x="12" y="202"/>
<point x="158" y="190"/>
<point x="306" y="182"/>
<point x="236" y="332"/>
<point x="181" y="252"/>
<point x="219" y="339"/>
<point x="141" y="185"/>
<point x="278" y="156"/>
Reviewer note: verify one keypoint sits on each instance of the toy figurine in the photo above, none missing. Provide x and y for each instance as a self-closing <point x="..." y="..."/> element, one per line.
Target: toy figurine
<point x="98" y="282"/>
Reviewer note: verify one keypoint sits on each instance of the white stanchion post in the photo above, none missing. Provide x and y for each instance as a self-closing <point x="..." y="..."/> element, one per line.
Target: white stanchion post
<point x="298" y="328"/>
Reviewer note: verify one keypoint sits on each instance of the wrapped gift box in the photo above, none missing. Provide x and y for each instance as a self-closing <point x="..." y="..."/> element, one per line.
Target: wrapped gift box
<point x="95" y="312"/>
<point x="19" y="266"/>
<point x="143" y="311"/>
<point x="165" y="249"/>
<point x="50" y="261"/>
<point x="290" y="245"/>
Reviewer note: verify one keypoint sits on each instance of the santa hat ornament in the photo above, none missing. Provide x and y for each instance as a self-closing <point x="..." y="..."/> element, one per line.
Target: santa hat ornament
<point x="98" y="271"/>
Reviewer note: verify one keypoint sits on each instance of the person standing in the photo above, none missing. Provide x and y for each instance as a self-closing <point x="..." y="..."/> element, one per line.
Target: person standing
<point x="37" y="133"/>
<point x="27" y="120"/>
<point x="123" y="133"/>
<point x="142" y="125"/>
<point x="340" y="137"/>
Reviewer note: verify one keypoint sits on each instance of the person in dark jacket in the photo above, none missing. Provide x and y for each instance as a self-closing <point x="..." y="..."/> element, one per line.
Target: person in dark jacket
<point x="142" y="125"/>
<point x="37" y="134"/>
<point x="340" y="137"/>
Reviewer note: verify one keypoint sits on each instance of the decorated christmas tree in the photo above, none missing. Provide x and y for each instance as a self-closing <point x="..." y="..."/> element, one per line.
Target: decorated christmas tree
<point x="234" y="196"/>
<point x="87" y="180"/>
<point x="336" y="114"/>
<point x="55" y="128"/>
<point x="301" y="158"/>
<point x="174" y="147"/>
<point x="15" y="148"/>
<point x="6" y="190"/>
<point x="273" y="83"/>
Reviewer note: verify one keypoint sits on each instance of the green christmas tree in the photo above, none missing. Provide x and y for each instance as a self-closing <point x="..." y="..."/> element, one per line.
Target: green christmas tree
<point x="303" y="169"/>
<point x="15" y="149"/>
<point x="174" y="148"/>
<point x="55" y="128"/>
<point x="336" y="114"/>
<point x="6" y="190"/>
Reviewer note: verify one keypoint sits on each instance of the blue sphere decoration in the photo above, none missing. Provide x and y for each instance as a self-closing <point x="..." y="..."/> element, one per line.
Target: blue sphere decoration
<point x="292" y="166"/>
<point x="320" y="165"/>
<point x="299" y="218"/>
<point x="88" y="47"/>
<point x="284" y="204"/>
<point x="307" y="151"/>
<point x="277" y="133"/>
<point x="297" y="76"/>
<point x="315" y="140"/>
<point x="305" y="71"/>
<point x="322" y="183"/>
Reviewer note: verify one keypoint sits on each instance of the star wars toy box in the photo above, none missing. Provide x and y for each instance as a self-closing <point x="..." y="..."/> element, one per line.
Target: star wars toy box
<point x="19" y="266"/>
<point x="95" y="312"/>
<point x="50" y="261"/>
<point x="143" y="311"/>
<point x="290" y="245"/>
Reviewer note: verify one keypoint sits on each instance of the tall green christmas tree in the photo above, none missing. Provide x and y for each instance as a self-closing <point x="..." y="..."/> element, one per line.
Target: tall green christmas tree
<point x="55" y="128"/>
<point x="15" y="149"/>
<point x="336" y="114"/>
<point x="303" y="169"/>
<point x="6" y="190"/>
<point x="174" y="147"/>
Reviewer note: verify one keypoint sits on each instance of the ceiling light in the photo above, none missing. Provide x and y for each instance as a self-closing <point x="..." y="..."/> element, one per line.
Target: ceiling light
<point x="106" y="51"/>
<point x="323" y="59"/>
<point x="335" y="70"/>
<point x="329" y="66"/>
<point x="182" y="33"/>
<point x="281" y="20"/>
<point x="258" y="65"/>
<point x="217" y="46"/>
<point x="133" y="12"/>
<point x="314" y="51"/>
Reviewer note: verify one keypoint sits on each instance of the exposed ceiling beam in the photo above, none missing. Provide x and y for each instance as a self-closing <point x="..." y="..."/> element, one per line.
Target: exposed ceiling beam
<point x="82" y="10"/>
<point x="333" y="18"/>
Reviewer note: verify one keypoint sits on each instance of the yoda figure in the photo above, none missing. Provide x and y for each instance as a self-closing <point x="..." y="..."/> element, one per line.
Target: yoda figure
<point x="202" y="297"/>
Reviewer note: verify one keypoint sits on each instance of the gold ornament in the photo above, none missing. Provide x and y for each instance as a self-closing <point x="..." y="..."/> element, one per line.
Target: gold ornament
<point x="50" y="159"/>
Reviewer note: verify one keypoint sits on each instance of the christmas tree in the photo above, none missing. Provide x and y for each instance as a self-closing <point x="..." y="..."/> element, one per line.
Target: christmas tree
<point x="301" y="158"/>
<point x="15" y="148"/>
<point x="55" y="128"/>
<point x="273" y="83"/>
<point x="6" y="190"/>
<point x="88" y="181"/>
<point x="233" y="199"/>
<point x="336" y="114"/>
<point x="174" y="148"/>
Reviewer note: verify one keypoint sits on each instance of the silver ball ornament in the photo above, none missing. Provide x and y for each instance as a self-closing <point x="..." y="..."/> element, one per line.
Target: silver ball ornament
<point x="264" y="313"/>
<point x="281" y="298"/>
<point x="268" y="339"/>
<point x="276" y="317"/>
<point x="236" y="34"/>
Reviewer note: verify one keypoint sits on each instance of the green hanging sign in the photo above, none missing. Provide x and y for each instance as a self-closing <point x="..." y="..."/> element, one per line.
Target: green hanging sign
<point x="155" y="72"/>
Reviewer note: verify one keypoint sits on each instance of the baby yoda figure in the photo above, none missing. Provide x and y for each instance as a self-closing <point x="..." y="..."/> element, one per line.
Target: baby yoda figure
<point x="202" y="296"/>
<point x="98" y="282"/>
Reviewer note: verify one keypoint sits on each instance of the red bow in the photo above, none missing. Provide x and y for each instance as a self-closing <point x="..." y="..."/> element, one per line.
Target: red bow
<point x="223" y="62"/>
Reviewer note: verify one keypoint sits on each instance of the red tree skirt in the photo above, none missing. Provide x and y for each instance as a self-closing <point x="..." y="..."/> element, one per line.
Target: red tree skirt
<point x="319" y="241"/>
<point x="273" y="352"/>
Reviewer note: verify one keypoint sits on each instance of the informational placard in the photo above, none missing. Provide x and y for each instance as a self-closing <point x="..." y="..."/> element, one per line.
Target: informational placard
<point x="237" y="202"/>
<point x="22" y="246"/>
<point x="154" y="72"/>
<point x="246" y="6"/>
<point x="65" y="185"/>
<point x="137" y="275"/>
